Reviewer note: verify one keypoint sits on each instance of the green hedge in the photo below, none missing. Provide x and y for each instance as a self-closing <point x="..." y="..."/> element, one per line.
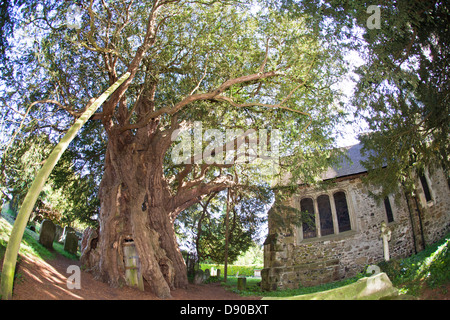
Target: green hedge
<point x="247" y="271"/>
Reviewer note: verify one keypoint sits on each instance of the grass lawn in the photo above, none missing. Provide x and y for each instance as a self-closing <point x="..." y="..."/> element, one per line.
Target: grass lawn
<point x="429" y="268"/>
<point x="30" y="244"/>
<point x="253" y="288"/>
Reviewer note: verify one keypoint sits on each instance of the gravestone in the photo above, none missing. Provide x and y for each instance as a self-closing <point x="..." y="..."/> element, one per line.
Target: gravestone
<point x="47" y="234"/>
<point x="67" y="229"/>
<point x="218" y="273"/>
<point x="241" y="283"/>
<point x="199" y="277"/>
<point x="71" y="242"/>
<point x="207" y="274"/>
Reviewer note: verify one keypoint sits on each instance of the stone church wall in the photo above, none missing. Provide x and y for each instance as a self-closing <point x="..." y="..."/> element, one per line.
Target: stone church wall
<point x="291" y="261"/>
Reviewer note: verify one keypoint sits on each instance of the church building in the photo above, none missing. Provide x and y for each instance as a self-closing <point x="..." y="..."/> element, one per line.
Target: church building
<point x="343" y="233"/>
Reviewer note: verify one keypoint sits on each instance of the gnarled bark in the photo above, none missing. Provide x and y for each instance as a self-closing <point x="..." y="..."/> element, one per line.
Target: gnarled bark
<point x="134" y="206"/>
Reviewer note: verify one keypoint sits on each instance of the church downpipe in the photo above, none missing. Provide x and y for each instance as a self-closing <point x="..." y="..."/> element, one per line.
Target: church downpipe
<point x="133" y="276"/>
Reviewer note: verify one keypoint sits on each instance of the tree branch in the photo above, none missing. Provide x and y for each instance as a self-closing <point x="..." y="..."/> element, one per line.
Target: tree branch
<point x="187" y="197"/>
<point x="149" y="40"/>
<point x="199" y="97"/>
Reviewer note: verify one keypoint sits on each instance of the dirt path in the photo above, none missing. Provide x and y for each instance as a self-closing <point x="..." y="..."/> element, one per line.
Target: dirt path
<point x="47" y="280"/>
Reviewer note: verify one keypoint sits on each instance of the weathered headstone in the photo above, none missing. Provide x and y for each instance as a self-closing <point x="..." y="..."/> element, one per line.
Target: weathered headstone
<point x="47" y="233"/>
<point x="199" y="277"/>
<point x="71" y="242"/>
<point x="242" y="283"/>
<point x="207" y="274"/>
<point x="64" y="234"/>
<point x="190" y="266"/>
<point x="218" y="273"/>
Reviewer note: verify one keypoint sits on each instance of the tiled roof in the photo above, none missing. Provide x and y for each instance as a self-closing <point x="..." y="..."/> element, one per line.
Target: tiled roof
<point x="347" y="167"/>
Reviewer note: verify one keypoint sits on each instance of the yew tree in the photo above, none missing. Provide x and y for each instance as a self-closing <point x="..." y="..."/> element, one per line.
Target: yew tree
<point x="224" y="64"/>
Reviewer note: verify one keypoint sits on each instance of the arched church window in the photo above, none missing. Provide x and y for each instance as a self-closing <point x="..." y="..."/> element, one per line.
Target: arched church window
<point x="425" y="187"/>
<point x="387" y="207"/>
<point x="342" y="214"/>
<point x="325" y="215"/>
<point x="308" y="218"/>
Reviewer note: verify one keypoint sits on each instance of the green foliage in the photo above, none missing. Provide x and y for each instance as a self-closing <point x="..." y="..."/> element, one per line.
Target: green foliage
<point x="7" y="21"/>
<point x="430" y="266"/>
<point x="402" y="86"/>
<point x="21" y="163"/>
<point x="253" y="256"/>
<point x="215" y="43"/>
<point x="195" y="49"/>
<point x="403" y="93"/>
<point x="29" y="246"/>
<point x="67" y="198"/>
<point x="254" y="289"/>
<point x="212" y="43"/>
<point x="202" y="227"/>
<point x="245" y="264"/>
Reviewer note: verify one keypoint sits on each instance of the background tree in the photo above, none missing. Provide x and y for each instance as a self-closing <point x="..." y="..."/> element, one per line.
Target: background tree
<point x="403" y="93"/>
<point x="206" y="222"/>
<point x="67" y="197"/>
<point x="402" y="90"/>
<point x="218" y="62"/>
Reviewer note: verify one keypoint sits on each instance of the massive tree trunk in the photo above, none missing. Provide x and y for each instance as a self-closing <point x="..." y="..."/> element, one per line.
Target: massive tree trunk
<point x="135" y="207"/>
<point x="136" y="201"/>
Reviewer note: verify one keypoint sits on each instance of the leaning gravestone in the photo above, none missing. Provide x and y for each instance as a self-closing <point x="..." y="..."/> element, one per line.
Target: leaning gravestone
<point x="47" y="233"/>
<point x="66" y="230"/>
<point x="71" y="242"/>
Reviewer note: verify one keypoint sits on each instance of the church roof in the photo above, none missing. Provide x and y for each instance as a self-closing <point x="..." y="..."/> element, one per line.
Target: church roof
<point x="349" y="166"/>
